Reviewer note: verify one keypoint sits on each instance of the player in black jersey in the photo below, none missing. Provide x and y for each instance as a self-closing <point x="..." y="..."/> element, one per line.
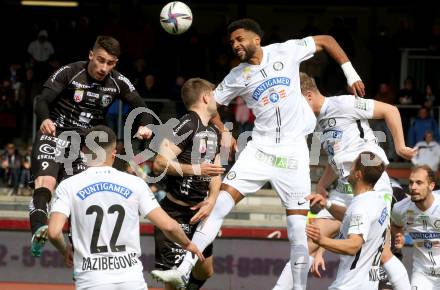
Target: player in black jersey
<point x="76" y="97"/>
<point x="193" y="177"/>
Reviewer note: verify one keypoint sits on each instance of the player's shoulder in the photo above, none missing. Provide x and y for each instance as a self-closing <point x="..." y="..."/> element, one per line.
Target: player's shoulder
<point x="122" y="80"/>
<point x="186" y="122"/>
<point x="235" y="74"/>
<point x="70" y="69"/>
<point x="402" y="205"/>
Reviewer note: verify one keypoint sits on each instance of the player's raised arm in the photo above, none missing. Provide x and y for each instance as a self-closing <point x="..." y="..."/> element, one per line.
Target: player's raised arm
<point x="41" y="109"/>
<point x="392" y="118"/>
<point x="331" y="46"/>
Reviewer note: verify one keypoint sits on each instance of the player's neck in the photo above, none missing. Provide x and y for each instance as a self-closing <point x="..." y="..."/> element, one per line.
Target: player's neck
<point x="319" y="105"/>
<point x="361" y="188"/>
<point x="203" y="115"/>
<point x="425" y="204"/>
<point x="257" y="57"/>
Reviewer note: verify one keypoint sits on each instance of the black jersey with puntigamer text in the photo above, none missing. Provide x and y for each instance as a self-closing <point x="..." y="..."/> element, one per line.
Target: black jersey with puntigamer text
<point x="82" y="101"/>
<point x="201" y="145"/>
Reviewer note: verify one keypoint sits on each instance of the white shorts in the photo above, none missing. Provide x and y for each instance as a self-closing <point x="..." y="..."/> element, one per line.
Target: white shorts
<point x="421" y="281"/>
<point x="132" y="285"/>
<point x="289" y="175"/>
<point x="344" y="199"/>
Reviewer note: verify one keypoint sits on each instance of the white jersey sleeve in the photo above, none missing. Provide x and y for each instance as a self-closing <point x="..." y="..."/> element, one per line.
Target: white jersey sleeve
<point x="359" y="223"/>
<point x="62" y="202"/>
<point x="358" y="108"/>
<point x="147" y="201"/>
<point x="398" y="212"/>
<point x="302" y="49"/>
<point x="228" y="89"/>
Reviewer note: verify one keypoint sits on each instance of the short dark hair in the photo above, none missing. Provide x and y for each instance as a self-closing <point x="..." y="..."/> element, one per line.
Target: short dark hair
<point x="429" y="172"/>
<point x="193" y="88"/>
<point x="371" y="172"/>
<point x="246" y="24"/>
<point x="103" y="136"/>
<point x="109" y="44"/>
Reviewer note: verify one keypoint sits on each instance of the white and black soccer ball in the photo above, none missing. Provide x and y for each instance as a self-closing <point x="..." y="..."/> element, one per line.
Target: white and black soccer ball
<point x="176" y="17"/>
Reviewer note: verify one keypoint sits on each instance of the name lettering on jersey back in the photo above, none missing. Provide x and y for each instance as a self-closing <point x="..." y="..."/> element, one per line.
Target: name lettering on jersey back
<point x="109" y="263"/>
<point x="268" y="84"/>
<point x="104" y="186"/>
<point x="424" y="235"/>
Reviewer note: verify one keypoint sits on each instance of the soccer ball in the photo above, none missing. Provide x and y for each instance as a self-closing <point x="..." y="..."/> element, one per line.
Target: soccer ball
<point x="176" y="17"/>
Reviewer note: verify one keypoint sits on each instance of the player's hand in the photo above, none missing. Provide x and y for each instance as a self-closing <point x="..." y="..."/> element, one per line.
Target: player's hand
<point x="48" y="127"/>
<point x="208" y="169"/>
<point x="143" y="132"/>
<point x="318" y="262"/>
<point x="316" y="199"/>
<point x="204" y="209"/>
<point x="229" y="143"/>
<point x="314" y="233"/>
<point x="68" y="256"/>
<point x="358" y="88"/>
<point x="193" y="249"/>
<point x="399" y="241"/>
<point x="406" y="152"/>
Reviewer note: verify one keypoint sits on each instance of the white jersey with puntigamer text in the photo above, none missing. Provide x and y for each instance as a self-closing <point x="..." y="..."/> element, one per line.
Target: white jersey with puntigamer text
<point x="424" y="230"/>
<point x="272" y="90"/>
<point x="367" y="215"/>
<point x="104" y="205"/>
<point x="343" y="121"/>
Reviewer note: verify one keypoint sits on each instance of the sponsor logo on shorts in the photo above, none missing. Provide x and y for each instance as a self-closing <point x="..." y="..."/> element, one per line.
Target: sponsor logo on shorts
<point x="49" y="150"/>
<point x="231" y="175"/>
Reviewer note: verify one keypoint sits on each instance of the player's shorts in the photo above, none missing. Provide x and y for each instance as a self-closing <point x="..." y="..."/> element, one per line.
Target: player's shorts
<point x="48" y="158"/>
<point x="132" y="285"/>
<point x="421" y="281"/>
<point x="289" y="175"/>
<point x="167" y="253"/>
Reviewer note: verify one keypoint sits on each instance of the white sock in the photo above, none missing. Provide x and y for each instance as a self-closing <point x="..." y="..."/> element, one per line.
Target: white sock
<point x="299" y="252"/>
<point x="285" y="281"/>
<point x="397" y="274"/>
<point x="207" y="230"/>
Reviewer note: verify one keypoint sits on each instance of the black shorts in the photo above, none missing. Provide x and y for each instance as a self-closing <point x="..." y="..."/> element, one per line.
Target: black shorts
<point x="48" y="158"/>
<point x="167" y="253"/>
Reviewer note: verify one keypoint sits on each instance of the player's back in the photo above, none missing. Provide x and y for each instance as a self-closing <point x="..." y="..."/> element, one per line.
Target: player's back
<point x="104" y="209"/>
<point x="366" y="215"/>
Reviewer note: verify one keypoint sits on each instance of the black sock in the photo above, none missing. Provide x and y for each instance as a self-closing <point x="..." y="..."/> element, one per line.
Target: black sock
<point x="38" y="214"/>
<point x="194" y="284"/>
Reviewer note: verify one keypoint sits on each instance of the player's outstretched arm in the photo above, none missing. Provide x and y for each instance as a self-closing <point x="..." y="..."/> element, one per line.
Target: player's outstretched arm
<point x="55" y="232"/>
<point x="318" y="262"/>
<point x="167" y="161"/>
<point x="332" y="47"/>
<point x="227" y="140"/>
<point x="392" y="118"/>
<point x="172" y="230"/>
<point x="41" y="108"/>
<point x="349" y="246"/>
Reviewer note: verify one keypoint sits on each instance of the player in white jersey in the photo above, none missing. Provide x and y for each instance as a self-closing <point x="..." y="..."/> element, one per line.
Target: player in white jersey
<point x="343" y="122"/>
<point x="363" y="231"/>
<point x="104" y="205"/>
<point x="419" y="216"/>
<point x="268" y="81"/>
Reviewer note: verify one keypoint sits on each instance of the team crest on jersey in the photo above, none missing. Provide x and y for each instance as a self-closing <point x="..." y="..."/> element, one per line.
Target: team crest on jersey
<point x="331" y="122"/>
<point x="273" y="97"/>
<point x="231" y="175"/>
<point x="278" y="65"/>
<point x="78" y="95"/>
<point x="106" y="100"/>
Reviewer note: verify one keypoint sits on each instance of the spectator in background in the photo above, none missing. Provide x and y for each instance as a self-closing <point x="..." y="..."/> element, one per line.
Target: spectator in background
<point x="429" y="97"/>
<point x="174" y="94"/>
<point x="149" y="91"/>
<point x="428" y="152"/>
<point x="408" y="94"/>
<point x="40" y="51"/>
<point x="25" y="175"/>
<point x="10" y="167"/>
<point x="422" y="123"/>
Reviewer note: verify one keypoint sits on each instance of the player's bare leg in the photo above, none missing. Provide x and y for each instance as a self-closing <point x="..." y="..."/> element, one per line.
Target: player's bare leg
<point x="38" y="212"/>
